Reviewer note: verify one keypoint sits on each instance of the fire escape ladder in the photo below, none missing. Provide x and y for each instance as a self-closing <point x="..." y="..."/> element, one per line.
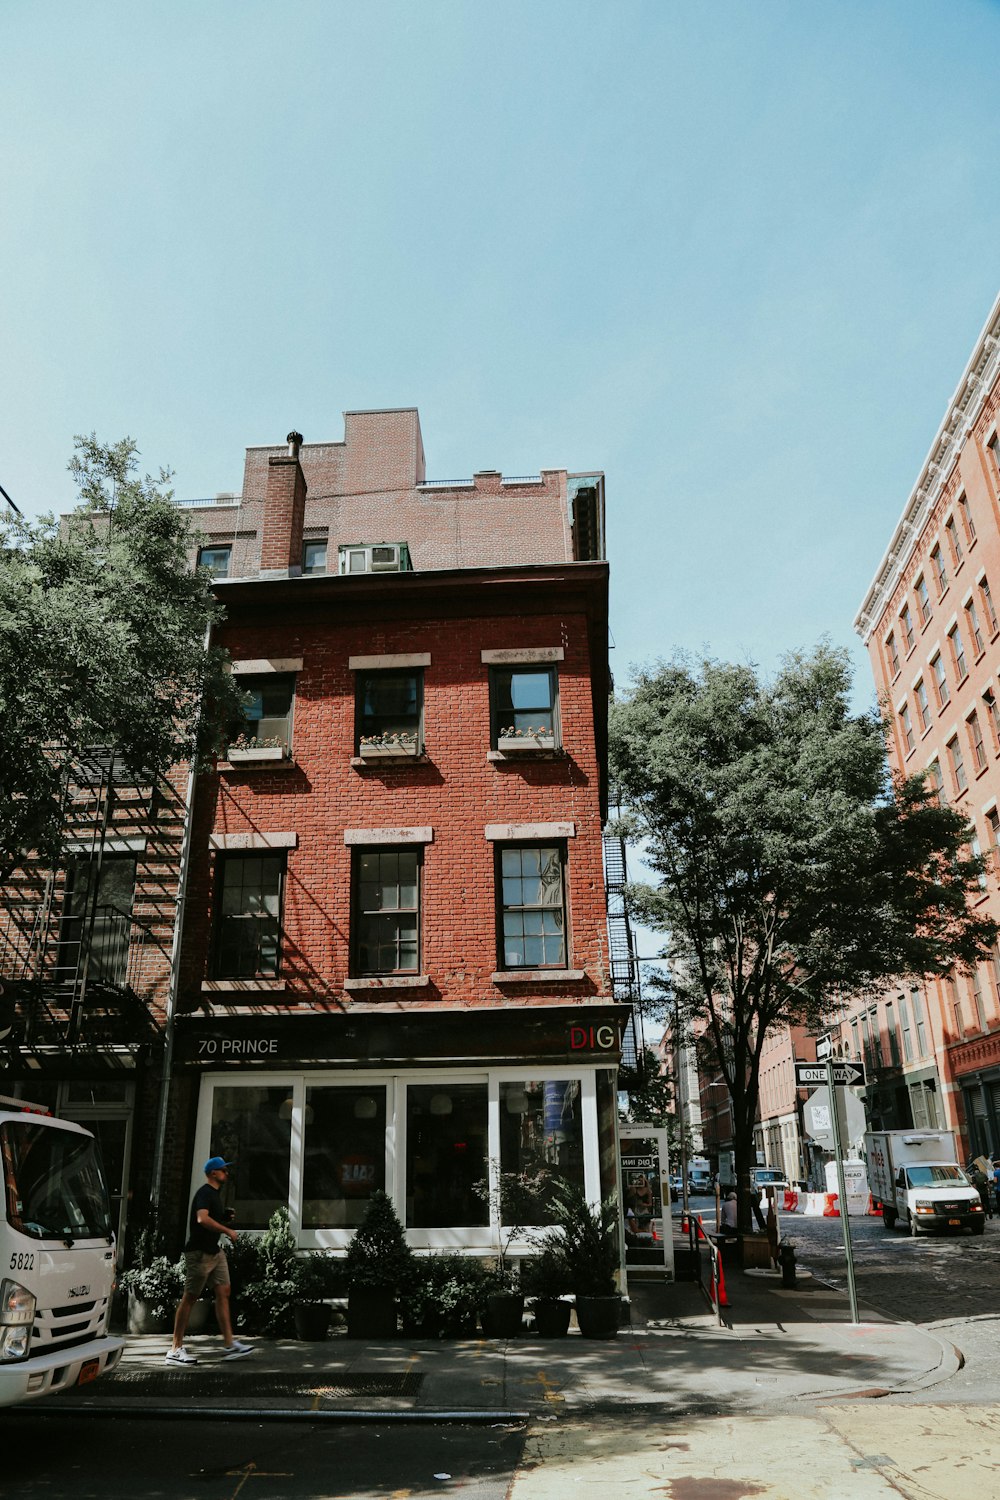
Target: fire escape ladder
<point x="621" y="947"/>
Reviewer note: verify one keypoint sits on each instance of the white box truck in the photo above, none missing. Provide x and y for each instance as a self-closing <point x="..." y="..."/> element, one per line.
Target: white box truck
<point x="57" y="1256"/>
<point x="916" y="1177"/>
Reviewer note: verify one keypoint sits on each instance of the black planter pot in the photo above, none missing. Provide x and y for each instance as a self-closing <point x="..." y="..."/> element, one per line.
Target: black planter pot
<point x="371" y="1314"/>
<point x="503" y="1315"/>
<point x="598" y="1316"/>
<point x="312" y="1321"/>
<point x="552" y="1317"/>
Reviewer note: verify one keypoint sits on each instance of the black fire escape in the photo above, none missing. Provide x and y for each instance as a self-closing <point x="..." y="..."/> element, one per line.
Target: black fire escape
<point x="74" y="954"/>
<point x="621" y="948"/>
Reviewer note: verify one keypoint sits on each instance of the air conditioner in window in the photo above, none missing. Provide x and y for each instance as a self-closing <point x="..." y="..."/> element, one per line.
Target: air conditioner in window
<point x="375" y="557"/>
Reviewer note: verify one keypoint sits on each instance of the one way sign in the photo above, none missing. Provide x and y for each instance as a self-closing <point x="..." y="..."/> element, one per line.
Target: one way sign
<point x="808" y="1075"/>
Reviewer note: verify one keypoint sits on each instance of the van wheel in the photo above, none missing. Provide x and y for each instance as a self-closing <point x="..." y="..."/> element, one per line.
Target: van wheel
<point x="914" y="1231"/>
<point x="979" y="1227"/>
<point x="889" y="1218"/>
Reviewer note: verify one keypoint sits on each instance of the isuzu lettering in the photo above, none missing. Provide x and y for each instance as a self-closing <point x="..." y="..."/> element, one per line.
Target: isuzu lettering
<point x="57" y="1256"/>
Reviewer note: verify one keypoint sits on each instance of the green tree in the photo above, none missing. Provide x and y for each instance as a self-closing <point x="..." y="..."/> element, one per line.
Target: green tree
<point x="103" y="642"/>
<point x="791" y="871"/>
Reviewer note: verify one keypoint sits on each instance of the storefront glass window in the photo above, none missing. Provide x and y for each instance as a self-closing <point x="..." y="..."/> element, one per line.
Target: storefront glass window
<point x="344" y="1154"/>
<point x="446" y="1155"/>
<point x="252" y="1128"/>
<point x="541" y="1140"/>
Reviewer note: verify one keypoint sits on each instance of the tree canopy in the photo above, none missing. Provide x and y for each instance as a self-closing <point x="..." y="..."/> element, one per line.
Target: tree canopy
<point x="103" y="642"/>
<point x="792" y="872"/>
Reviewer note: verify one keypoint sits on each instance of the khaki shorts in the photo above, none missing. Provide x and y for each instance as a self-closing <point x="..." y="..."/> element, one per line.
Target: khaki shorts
<point x="201" y="1270"/>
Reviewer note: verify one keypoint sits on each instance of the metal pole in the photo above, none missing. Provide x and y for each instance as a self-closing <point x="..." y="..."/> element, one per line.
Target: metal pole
<point x="838" y="1149"/>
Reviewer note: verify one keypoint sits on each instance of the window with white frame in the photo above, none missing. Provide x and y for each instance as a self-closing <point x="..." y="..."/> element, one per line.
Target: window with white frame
<point x="531" y="906"/>
<point x="216" y="561"/>
<point x="343" y="1152"/>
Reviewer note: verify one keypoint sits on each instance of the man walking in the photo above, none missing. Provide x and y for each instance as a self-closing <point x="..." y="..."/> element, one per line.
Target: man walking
<point x="205" y="1264"/>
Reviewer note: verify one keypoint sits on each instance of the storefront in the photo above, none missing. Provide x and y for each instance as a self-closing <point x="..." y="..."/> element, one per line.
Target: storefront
<point x="314" y="1122"/>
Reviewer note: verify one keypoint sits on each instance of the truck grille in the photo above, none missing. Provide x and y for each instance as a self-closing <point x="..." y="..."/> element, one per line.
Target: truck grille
<point x="63" y="1327"/>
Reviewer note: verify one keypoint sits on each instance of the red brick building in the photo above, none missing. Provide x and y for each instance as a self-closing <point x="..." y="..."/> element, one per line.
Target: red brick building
<point x="931" y="622"/>
<point x="395" y="965"/>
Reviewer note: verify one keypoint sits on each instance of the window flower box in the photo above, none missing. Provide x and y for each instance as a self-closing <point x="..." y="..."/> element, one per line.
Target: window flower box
<point x="254" y="753"/>
<point x="389" y="747"/>
<point x="526" y="742"/>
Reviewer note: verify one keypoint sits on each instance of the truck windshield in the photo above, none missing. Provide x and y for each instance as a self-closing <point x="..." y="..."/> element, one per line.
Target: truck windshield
<point x="53" y="1181"/>
<point x="930" y="1176"/>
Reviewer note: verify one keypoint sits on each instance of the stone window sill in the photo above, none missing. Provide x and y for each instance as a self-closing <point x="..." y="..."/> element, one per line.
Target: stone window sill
<point x="537" y="976"/>
<point x="230" y="986"/>
<point x="251" y="762"/>
<point x="388" y="982"/>
<point x="369" y="761"/>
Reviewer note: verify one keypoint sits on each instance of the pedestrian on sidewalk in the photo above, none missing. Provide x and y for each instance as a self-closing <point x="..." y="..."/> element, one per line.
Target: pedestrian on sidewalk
<point x="206" y="1264"/>
<point x="996" y="1180"/>
<point x="728" y="1216"/>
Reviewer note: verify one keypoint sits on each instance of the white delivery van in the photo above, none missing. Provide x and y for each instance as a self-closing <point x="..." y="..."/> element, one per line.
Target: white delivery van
<point x="57" y="1256"/>
<point x="916" y="1177"/>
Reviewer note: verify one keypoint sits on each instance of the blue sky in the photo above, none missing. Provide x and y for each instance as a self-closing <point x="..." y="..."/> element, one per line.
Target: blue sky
<point x="736" y="255"/>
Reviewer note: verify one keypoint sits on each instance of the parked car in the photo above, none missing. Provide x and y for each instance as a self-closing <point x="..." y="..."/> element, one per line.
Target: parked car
<point x="676" y="1187"/>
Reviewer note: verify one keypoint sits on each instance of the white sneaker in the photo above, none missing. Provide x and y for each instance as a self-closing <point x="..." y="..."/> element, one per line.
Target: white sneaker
<point x="236" y="1350"/>
<point x="180" y="1357"/>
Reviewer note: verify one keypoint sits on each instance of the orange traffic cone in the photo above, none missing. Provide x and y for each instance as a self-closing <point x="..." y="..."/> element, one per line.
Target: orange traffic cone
<point x="723" y="1299"/>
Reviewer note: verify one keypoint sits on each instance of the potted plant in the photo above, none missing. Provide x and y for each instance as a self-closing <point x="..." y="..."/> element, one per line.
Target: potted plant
<point x="380" y="1268"/>
<point x="514" y="1200"/>
<point x="314" y="1279"/>
<point x="588" y="1238"/>
<point x="545" y="1279"/>
<point x="154" y="1291"/>
<point x="446" y="1298"/>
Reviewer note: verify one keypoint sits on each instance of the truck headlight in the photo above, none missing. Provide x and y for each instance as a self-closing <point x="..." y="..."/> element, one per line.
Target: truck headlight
<point x="923" y="1208"/>
<point x="976" y="1208"/>
<point x="17" y="1313"/>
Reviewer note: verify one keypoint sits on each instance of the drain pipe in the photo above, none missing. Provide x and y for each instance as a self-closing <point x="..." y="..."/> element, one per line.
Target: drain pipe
<point x="175" y="977"/>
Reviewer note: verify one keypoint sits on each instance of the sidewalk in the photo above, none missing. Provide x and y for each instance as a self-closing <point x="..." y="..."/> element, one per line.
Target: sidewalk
<point x="779" y="1344"/>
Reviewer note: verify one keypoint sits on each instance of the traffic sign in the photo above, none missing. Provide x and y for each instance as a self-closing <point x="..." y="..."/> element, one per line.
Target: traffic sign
<point x="808" y="1075"/>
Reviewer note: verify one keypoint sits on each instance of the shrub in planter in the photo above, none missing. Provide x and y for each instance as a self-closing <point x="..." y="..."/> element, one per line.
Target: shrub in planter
<point x="446" y="1299"/>
<point x="588" y="1239"/>
<point x="154" y="1291"/>
<point x="515" y="1199"/>
<point x="545" y="1280"/>
<point x="315" y="1277"/>
<point x="380" y="1268"/>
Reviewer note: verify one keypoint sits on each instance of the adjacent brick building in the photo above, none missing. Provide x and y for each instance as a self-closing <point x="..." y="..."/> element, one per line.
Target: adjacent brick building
<point x="931" y="622"/>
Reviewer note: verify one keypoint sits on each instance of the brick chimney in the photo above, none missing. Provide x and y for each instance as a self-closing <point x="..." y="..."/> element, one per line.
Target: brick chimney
<point x="284" y="512"/>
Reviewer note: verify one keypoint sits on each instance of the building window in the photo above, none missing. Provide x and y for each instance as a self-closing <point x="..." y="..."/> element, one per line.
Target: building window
<point x="955" y="1003"/>
<point x="904" y="1016"/>
<point x="993" y="714"/>
<point x="907" y="727"/>
<point x="951" y="530"/>
<point x="446" y="1155"/>
<point x="524" y="703"/>
<point x="974" y="630"/>
<point x="967" y="521"/>
<point x="386" y="925"/>
<point x="267" y="711"/>
<point x="215" y="560"/>
<point x="976" y="741"/>
<point x="940" y="681"/>
<point x="918" y="1016"/>
<point x="252" y="1128"/>
<point x="977" y="999"/>
<point x="532" y="915"/>
<point x="923" y="704"/>
<point x="987" y="598"/>
<point x="906" y="621"/>
<point x="892" y="653"/>
<point x="313" y="557"/>
<point x="923" y="598"/>
<point x="993" y="823"/>
<point x="541" y="1138"/>
<point x="890" y="1028"/>
<point x="958" y="653"/>
<point x="389" y="705"/>
<point x="994" y="451"/>
<point x="248" y="916"/>
<point x="940" y="574"/>
<point x="343" y="1153"/>
<point x="976" y="850"/>
<point x="957" y="764"/>
<point x="97" y="919"/>
<point x="935" y="781"/>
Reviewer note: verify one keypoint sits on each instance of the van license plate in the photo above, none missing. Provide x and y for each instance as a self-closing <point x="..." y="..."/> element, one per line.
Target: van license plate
<point x="89" y="1371"/>
<point x="956" y="1222"/>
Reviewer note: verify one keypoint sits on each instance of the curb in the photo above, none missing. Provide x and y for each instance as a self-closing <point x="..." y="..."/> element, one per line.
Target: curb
<point x="430" y="1415"/>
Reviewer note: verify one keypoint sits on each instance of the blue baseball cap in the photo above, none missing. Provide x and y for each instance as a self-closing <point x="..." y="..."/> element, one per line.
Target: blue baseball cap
<point x="217" y="1164"/>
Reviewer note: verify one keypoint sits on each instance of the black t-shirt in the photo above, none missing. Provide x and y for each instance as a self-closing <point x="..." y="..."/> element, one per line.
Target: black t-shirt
<point x="200" y="1237"/>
